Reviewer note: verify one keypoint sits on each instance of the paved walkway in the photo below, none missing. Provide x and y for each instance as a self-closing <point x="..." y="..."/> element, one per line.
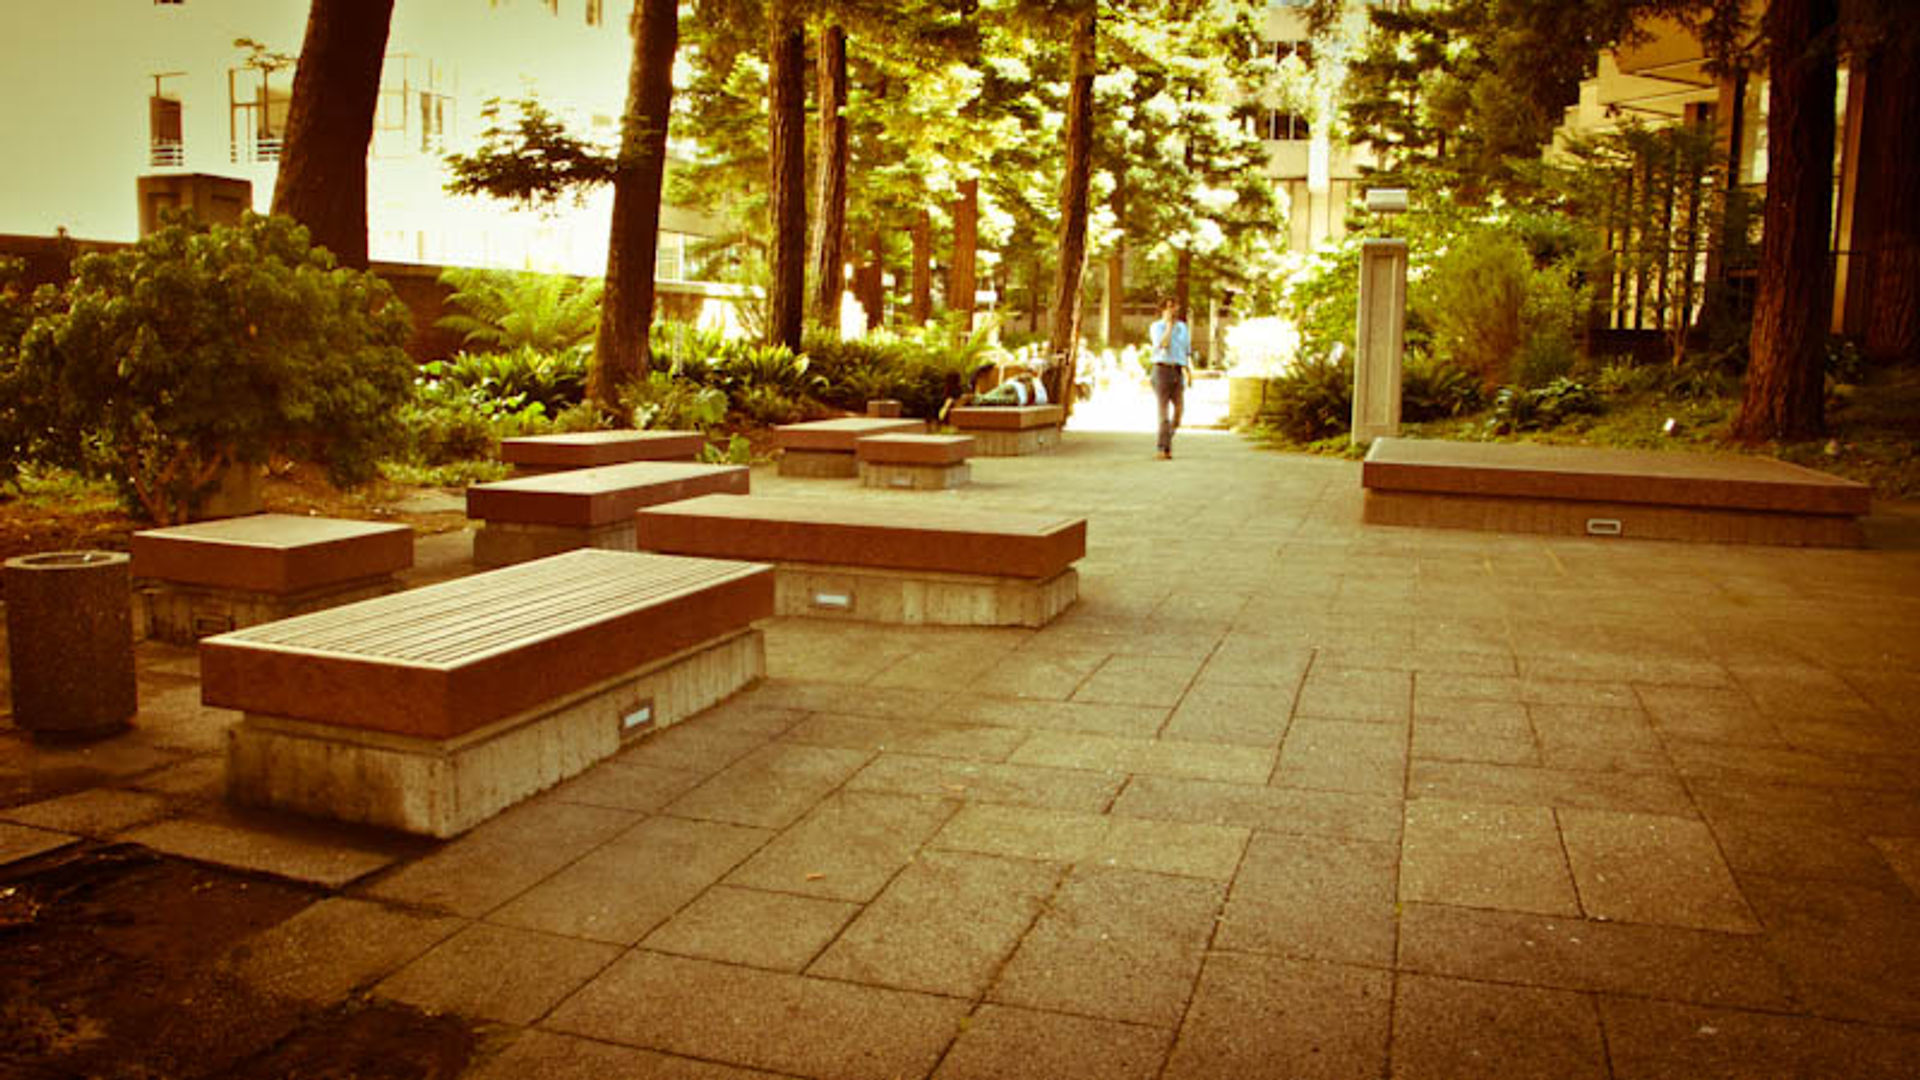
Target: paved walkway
<point x="1281" y="796"/>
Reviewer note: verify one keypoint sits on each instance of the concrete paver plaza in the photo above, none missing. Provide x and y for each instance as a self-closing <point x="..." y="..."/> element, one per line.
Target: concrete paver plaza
<point x="1282" y="795"/>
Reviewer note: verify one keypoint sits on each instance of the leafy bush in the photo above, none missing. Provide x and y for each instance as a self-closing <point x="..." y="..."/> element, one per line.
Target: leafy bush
<point x="1433" y="389"/>
<point x="664" y="400"/>
<point x="504" y="310"/>
<point x="202" y="348"/>
<point x="1312" y="400"/>
<point x="523" y="376"/>
<point x="1497" y="315"/>
<point x="1516" y="408"/>
<point x="24" y="395"/>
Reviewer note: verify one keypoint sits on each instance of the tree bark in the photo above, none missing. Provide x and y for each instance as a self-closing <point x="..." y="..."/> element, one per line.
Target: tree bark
<point x="922" y="308"/>
<point x="1063" y="342"/>
<point x="1793" y="304"/>
<point x="830" y="193"/>
<point x="787" y="167"/>
<point x="1116" y="327"/>
<point x="622" y="348"/>
<point x="961" y="283"/>
<point x="870" y="288"/>
<point x="322" y="182"/>
<point x="1888" y="236"/>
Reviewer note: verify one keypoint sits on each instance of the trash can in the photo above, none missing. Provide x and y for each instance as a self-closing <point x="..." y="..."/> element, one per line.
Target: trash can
<point x="70" y="643"/>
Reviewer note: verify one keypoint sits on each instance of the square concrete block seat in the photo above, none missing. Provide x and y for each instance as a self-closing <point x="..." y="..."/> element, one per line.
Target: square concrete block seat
<point x="213" y="576"/>
<point x="529" y="517"/>
<point x="431" y="710"/>
<point x="1650" y="494"/>
<point x="824" y="448"/>
<point x="882" y="562"/>
<point x="921" y="462"/>
<point x="1009" y="430"/>
<point x="532" y="455"/>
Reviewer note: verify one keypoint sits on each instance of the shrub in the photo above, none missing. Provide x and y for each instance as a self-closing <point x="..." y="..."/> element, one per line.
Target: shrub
<point x="522" y="376"/>
<point x="1311" y="401"/>
<point x="24" y="395"/>
<point x="1492" y="312"/>
<point x="1516" y="408"/>
<point x="1433" y="389"/>
<point x="663" y="400"/>
<point x="202" y="348"/>
<point x="504" y="310"/>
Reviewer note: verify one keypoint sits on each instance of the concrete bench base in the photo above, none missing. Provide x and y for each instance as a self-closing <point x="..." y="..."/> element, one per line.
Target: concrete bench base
<point x="504" y="543"/>
<point x="442" y="787"/>
<point x="915" y="477"/>
<point x="920" y="597"/>
<point x="818" y="464"/>
<point x="182" y="614"/>
<point x="1636" y="520"/>
<point x="1036" y="440"/>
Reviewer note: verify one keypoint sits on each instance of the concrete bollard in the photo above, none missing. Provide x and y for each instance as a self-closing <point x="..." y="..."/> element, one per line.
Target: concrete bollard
<point x="70" y="643"/>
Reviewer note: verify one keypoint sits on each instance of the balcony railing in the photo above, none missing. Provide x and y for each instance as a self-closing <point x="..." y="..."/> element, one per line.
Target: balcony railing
<point x="167" y="154"/>
<point x="257" y="149"/>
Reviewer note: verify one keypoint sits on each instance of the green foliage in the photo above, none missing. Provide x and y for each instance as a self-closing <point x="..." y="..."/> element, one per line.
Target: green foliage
<point x="529" y="159"/>
<point x="1497" y="314"/>
<point x="1516" y="408"/>
<point x="25" y="397"/>
<point x="502" y="310"/>
<point x="669" y="401"/>
<point x="200" y="348"/>
<point x="738" y="451"/>
<point x="512" y="381"/>
<point x="1312" y="400"/>
<point x="1436" y="389"/>
<point x="456" y="473"/>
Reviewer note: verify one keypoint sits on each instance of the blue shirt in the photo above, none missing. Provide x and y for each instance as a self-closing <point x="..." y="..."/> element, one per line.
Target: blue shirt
<point x="1170" y="348"/>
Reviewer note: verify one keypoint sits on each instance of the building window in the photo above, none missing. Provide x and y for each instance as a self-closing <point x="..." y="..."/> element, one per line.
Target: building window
<point x="1279" y="125"/>
<point x="166" y="148"/>
<point x="168" y="3"/>
<point x="596" y="12"/>
<point x="258" y="99"/>
<point x="1301" y="49"/>
<point x="416" y="110"/>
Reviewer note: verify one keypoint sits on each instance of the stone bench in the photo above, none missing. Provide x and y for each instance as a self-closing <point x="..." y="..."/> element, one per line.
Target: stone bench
<point x="430" y="711"/>
<point x="533" y="455"/>
<point x="1648" y="494"/>
<point x="919" y="462"/>
<point x="881" y="562"/>
<point x="214" y="576"/>
<point x="1009" y="430"/>
<point x="531" y="517"/>
<point x="885" y="407"/>
<point x="824" y="448"/>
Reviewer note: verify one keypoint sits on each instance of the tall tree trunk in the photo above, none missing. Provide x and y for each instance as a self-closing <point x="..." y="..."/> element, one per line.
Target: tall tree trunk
<point x="322" y="182"/>
<point x="922" y="308"/>
<point x="1062" y="343"/>
<point x="961" y="284"/>
<point x="830" y="192"/>
<point x="1793" y="305"/>
<point x="787" y="167"/>
<point x="1116" y="328"/>
<point x="621" y="348"/>
<point x="870" y="288"/>
<point x="1889" y="163"/>
<point x="1183" y="285"/>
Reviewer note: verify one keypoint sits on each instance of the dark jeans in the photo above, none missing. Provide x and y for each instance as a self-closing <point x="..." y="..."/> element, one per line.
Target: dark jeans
<point x="1169" y="388"/>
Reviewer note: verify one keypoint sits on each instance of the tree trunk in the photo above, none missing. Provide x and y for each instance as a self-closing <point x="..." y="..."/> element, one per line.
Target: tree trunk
<point x="1889" y="163"/>
<point x="922" y="308"/>
<point x="1116" y="327"/>
<point x="622" y="349"/>
<point x="787" y="167"/>
<point x="322" y="182"/>
<point x="1063" y="343"/>
<point x="871" y="286"/>
<point x="961" y="284"/>
<point x="830" y="194"/>
<point x="1793" y="304"/>
<point x="1183" y="285"/>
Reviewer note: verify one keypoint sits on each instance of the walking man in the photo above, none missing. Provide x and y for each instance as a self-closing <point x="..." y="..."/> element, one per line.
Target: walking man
<point x="1172" y="343"/>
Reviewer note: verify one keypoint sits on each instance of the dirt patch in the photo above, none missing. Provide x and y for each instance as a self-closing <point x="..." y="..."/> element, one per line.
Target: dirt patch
<point x="110" y="966"/>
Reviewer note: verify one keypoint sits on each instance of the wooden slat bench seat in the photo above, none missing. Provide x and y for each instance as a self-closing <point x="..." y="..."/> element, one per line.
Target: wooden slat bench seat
<point x="532" y="455"/>
<point x="1649" y="494"/>
<point x="919" y="462"/>
<point x="530" y="517"/>
<point x="1009" y="430"/>
<point x="430" y="710"/>
<point x="880" y="562"/>
<point x="824" y="448"/>
<point x="213" y="576"/>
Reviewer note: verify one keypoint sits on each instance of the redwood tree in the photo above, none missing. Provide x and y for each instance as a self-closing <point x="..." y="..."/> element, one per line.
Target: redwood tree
<point x="1887" y="204"/>
<point x="621" y="351"/>
<point x="961" y="282"/>
<point x="1792" y="307"/>
<point x="1063" y="341"/>
<point x="786" y="166"/>
<point x="830" y="193"/>
<point x="322" y="182"/>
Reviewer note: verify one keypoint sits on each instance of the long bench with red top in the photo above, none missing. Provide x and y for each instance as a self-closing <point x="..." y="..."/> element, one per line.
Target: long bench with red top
<point x="825" y="448"/>
<point x="530" y="517"/>
<point x="531" y="455"/>
<point x="880" y="562"/>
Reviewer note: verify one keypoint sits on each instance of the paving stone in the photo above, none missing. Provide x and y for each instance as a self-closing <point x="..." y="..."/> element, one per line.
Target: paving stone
<point x="1220" y="712"/>
<point x="1495" y="719"/>
<point x="1447" y="742"/>
<point x="1903" y="855"/>
<point x="539" y="1055"/>
<point x="1335" y="693"/>
<point x="202" y="778"/>
<point x="770" y="1020"/>
<point x="1161" y="757"/>
<point x="884" y="702"/>
<point x="747" y="926"/>
<point x="1584" y="737"/>
<point x="1024" y="833"/>
<point x="944" y="926"/>
<point x="941" y="666"/>
<point x="634" y="882"/>
<point x="498" y="973"/>
<point x="336" y="946"/>
<point x="1257" y="1016"/>
<point x="1708" y="714"/>
<point x="1344" y="755"/>
<point x="1000" y="1042"/>
<point x="1848" y="950"/>
<point x="97" y="812"/>
<point x="1047" y="676"/>
<point x="771" y="787"/>
<point x="1139" y="680"/>
<point x="1755" y="843"/>
<point x="973" y="742"/>
<point x="1485" y="855"/>
<point x="1015" y="785"/>
<point x="1184" y="850"/>
<point x="22" y="842"/>
<point x="847" y="848"/>
<point x="690" y="747"/>
<point x="1626" y="667"/>
<point x="1116" y="944"/>
<point x="1445" y="1029"/>
<point x="1289" y="810"/>
<point x="1258" y="660"/>
<point x="621" y="784"/>
<point x="502" y="858"/>
<point x="1312" y="897"/>
<point x="1648" y="868"/>
<point x="313" y="852"/>
<point x="1136" y="721"/>
<point x="1465" y="781"/>
<point x="1581" y="954"/>
<point x="1654" y="1040"/>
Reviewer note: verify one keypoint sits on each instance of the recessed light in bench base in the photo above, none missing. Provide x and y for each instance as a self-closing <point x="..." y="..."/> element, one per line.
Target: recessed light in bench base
<point x="640" y="717"/>
<point x="1603" y="526"/>
<point x="833" y="601"/>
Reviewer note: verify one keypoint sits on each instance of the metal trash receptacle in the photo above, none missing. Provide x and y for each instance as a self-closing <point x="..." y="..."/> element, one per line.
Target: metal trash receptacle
<point x="70" y="643"/>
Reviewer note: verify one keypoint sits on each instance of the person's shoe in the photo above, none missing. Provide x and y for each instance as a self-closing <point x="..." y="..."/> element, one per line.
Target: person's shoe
<point x="1165" y="455"/>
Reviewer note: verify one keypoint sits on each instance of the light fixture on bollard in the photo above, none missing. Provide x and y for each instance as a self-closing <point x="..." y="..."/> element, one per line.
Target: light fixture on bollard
<point x="1381" y="333"/>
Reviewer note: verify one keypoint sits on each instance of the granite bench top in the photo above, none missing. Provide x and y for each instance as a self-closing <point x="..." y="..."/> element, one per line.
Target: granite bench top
<point x="583" y="498"/>
<point x="838" y="436"/>
<point x="914" y="449"/>
<point x="586" y="449"/>
<point x="272" y="553"/>
<point x="1005" y="417"/>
